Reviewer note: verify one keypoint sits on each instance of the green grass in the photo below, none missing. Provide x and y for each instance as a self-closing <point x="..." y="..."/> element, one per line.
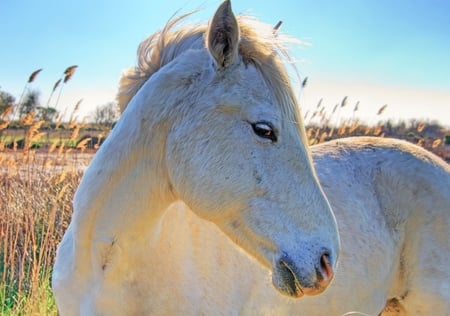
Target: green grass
<point x="38" y="302"/>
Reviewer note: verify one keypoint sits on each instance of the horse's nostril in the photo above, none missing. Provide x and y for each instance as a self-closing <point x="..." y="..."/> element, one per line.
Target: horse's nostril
<point x="326" y="270"/>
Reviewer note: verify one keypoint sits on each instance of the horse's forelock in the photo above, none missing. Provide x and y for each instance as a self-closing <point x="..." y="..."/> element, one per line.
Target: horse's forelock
<point x="259" y="45"/>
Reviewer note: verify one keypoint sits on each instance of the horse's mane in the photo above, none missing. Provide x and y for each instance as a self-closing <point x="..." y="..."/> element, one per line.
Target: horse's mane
<point x="260" y="45"/>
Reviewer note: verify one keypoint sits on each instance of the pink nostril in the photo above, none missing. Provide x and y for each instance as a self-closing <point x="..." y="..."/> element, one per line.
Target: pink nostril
<point x="327" y="270"/>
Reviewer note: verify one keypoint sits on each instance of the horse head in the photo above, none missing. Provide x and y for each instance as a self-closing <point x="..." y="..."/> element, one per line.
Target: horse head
<point x="236" y="151"/>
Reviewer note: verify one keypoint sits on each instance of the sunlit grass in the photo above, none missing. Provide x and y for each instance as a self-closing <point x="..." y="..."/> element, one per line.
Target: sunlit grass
<point x="35" y="209"/>
<point x="38" y="177"/>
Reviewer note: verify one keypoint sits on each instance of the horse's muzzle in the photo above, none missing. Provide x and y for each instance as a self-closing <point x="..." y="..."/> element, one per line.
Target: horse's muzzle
<point x="296" y="280"/>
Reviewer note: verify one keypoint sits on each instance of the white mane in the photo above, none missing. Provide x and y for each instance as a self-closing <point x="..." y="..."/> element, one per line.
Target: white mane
<point x="259" y="45"/>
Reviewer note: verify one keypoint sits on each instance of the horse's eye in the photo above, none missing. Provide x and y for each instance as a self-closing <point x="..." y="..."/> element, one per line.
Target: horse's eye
<point x="264" y="130"/>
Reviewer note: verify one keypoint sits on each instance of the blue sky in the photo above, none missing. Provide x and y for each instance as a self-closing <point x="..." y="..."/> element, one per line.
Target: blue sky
<point x="376" y="52"/>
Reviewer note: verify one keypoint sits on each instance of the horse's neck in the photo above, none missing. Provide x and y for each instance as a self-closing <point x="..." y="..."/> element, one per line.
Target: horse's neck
<point x="183" y="239"/>
<point x="124" y="191"/>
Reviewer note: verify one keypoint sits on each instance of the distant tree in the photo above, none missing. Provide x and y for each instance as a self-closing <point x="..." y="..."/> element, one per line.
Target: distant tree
<point x="47" y="114"/>
<point x="30" y="103"/>
<point x="106" y="114"/>
<point x="6" y="101"/>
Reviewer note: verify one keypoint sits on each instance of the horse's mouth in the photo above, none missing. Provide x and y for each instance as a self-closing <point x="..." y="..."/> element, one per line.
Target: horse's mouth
<point x="285" y="281"/>
<point x="289" y="282"/>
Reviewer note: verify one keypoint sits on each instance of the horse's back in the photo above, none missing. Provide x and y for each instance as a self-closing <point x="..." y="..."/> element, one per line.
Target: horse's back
<point x="405" y="191"/>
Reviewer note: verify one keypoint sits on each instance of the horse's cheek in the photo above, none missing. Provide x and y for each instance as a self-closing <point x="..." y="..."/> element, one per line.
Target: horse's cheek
<point x="217" y="174"/>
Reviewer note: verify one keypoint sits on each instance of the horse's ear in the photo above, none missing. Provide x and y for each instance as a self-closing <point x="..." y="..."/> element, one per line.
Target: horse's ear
<point x="223" y="36"/>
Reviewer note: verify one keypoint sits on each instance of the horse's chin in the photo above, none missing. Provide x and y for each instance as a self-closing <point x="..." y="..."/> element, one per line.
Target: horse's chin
<point x="294" y="290"/>
<point x="289" y="291"/>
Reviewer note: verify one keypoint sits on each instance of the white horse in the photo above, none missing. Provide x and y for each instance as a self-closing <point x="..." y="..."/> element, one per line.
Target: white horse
<point x="211" y="153"/>
<point x="211" y="123"/>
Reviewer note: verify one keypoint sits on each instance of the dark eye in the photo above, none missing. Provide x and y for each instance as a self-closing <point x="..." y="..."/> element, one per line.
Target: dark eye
<point x="264" y="130"/>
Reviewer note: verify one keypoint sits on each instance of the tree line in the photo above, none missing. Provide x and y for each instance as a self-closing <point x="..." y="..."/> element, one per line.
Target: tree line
<point x="10" y="109"/>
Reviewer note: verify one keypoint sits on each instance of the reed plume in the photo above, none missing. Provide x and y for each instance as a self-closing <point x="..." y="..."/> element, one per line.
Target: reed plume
<point x="67" y="75"/>
<point x="382" y="109"/>
<point x="31" y="78"/>
<point x="34" y="75"/>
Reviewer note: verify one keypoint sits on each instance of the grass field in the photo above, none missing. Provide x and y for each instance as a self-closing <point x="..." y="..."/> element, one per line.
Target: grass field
<point x="37" y="186"/>
<point x="39" y="172"/>
<point x="35" y="209"/>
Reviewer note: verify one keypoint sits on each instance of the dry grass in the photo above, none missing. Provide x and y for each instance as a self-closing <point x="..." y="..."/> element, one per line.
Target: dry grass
<point x="324" y="125"/>
<point x="36" y="190"/>
<point x="35" y="209"/>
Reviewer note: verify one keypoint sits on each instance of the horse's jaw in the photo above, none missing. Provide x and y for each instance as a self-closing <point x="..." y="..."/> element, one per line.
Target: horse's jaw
<point x="299" y="265"/>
